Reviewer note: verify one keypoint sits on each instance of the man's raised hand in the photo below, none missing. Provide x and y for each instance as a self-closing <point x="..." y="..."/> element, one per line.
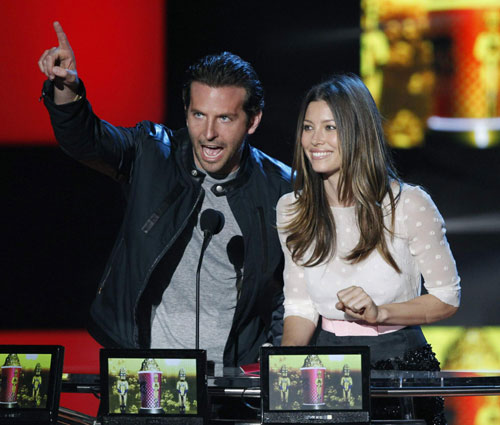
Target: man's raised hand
<point x="59" y="65"/>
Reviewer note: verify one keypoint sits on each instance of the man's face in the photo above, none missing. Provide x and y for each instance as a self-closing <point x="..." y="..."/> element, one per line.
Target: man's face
<point x="217" y="126"/>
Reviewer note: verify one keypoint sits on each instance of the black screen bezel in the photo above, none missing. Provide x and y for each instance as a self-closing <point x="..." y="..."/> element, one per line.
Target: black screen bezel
<point x="51" y="410"/>
<point x="201" y="378"/>
<point x="363" y="351"/>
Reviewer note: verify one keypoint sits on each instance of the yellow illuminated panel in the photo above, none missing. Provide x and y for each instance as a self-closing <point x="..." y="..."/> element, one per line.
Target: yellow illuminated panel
<point x="468" y="349"/>
<point x="433" y="65"/>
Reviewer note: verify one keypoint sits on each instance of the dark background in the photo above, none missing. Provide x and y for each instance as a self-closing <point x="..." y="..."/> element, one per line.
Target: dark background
<point x="60" y="218"/>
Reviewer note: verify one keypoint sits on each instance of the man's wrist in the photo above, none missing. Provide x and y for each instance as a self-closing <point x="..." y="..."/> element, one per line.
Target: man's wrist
<point x="67" y="93"/>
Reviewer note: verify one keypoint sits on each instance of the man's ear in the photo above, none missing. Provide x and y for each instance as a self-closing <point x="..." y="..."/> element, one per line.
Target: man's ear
<point x="254" y="123"/>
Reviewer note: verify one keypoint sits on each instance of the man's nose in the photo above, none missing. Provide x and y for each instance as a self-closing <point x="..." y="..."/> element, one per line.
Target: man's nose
<point x="211" y="130"/>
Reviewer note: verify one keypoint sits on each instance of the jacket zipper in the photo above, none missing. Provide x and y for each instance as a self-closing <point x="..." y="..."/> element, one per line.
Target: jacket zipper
<point x="146" y="227"/>
<point x="108" y="271"/>
<point x="155" y="262"/>
<point x="151" y="221"/>
<point x="263" y="232"/>
<point x="260" y="213"/>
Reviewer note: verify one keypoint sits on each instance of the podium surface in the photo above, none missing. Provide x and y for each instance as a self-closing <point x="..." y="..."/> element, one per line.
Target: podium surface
<point x="234" y="384"/>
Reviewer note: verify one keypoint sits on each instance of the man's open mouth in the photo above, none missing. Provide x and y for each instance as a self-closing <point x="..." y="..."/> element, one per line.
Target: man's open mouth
<point x="211" y="152"/>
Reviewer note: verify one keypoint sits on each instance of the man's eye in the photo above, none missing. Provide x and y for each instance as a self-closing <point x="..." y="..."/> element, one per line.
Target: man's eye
<point x="197" y="114"/>
<point x="225" y="118"/>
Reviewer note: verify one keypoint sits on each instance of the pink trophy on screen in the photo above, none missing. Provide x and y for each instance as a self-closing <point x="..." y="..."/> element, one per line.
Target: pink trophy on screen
<point x="150" y="387"/>
<point x="313" y="382"/>
<point x="11" y="379"/>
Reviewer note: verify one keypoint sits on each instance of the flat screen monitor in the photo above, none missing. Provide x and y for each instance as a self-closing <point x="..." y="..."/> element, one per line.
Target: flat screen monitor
<point x="153" y="386"/>
<point x="315" y="385"/>
<point x="30" y="383"/>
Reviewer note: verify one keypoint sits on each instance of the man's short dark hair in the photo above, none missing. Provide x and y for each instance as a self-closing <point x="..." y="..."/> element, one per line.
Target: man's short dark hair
<point x="226" y="69"/>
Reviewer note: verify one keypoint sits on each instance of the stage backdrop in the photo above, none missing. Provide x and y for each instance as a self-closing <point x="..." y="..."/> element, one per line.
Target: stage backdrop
<point x="59" y="218"/>
<point x="120" y="52"/>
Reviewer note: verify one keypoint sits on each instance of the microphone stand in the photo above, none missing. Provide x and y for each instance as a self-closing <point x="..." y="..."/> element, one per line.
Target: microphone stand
<point x="211" y="223"/>
<point x="207" y="237"/>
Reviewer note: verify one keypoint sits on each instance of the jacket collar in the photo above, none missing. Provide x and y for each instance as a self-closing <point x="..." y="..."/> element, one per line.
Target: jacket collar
<point x="187" y="163"/>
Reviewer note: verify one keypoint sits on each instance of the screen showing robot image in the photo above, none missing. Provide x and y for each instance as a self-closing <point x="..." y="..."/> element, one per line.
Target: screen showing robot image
<point x="315" y="382"/>
<point x="152" y="386"/>
<point x="24" y="380"/>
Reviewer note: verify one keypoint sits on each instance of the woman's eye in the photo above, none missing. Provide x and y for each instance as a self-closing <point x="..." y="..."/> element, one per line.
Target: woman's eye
<point x="331" y="127"/>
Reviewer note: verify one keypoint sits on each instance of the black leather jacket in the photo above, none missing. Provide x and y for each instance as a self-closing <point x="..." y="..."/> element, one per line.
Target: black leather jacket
<point x="163" y="189"/>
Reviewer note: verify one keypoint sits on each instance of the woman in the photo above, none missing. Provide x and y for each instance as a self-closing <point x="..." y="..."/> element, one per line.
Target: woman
<point x="357" y="240"/>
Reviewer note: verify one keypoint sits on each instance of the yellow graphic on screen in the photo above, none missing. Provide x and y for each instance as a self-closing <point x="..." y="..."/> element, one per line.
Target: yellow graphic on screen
<point x="487" y="52"/>
<point x="474" y="349"/>
<point x="24" y="380"/>
<point x="433" y="65"/>
<point x="152" y="386"/>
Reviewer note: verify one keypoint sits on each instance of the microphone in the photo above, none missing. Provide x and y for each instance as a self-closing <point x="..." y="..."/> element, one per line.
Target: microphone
<point x="211" y="223"/>
<point x="236" y="254"/>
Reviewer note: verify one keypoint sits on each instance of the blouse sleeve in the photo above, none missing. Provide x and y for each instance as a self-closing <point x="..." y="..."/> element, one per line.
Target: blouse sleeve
<point x="297" y="299"/>
<point x="428" y="244"/>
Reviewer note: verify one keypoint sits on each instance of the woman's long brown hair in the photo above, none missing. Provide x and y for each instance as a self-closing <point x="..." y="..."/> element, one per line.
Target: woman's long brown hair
<point x="365" y="178"/>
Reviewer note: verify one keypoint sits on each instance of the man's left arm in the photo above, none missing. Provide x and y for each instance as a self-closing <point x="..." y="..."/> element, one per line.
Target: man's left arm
<point x="275" y="332"/>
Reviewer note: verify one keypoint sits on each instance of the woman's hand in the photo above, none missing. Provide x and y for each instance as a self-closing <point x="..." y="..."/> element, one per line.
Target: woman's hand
<point x="421" y="310"/>
<point x="358" y="304"/>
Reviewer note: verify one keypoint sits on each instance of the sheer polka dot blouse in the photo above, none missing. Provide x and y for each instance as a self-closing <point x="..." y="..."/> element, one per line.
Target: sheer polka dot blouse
<point x="419" y="247"/>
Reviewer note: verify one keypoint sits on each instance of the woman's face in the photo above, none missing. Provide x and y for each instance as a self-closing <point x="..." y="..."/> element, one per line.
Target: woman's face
<point x="319" y="139"/>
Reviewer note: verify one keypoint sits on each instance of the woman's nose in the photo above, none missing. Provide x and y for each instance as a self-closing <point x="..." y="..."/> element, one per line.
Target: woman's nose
<point x="317" y="138"/>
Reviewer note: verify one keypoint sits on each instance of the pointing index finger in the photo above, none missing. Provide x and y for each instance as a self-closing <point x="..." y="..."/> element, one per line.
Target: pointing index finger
<point x="61" y="36"/>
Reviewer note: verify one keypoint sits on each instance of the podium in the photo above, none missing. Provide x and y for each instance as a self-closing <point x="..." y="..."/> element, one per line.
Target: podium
<point x="235" y="397"/>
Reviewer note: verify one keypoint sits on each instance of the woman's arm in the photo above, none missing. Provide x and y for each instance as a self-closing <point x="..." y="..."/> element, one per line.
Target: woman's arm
<point x="300" y="313"/>
<point x="422" y="310"/>
<point x="297" y="331"/>
<point x="427" y="243"/>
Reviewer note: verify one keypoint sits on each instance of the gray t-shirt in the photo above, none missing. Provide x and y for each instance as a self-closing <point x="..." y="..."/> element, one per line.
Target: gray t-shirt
<point x="174" y="320"/>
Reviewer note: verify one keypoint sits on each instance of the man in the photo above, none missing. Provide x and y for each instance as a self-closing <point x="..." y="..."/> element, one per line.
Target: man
<point x="147" y="295"/>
